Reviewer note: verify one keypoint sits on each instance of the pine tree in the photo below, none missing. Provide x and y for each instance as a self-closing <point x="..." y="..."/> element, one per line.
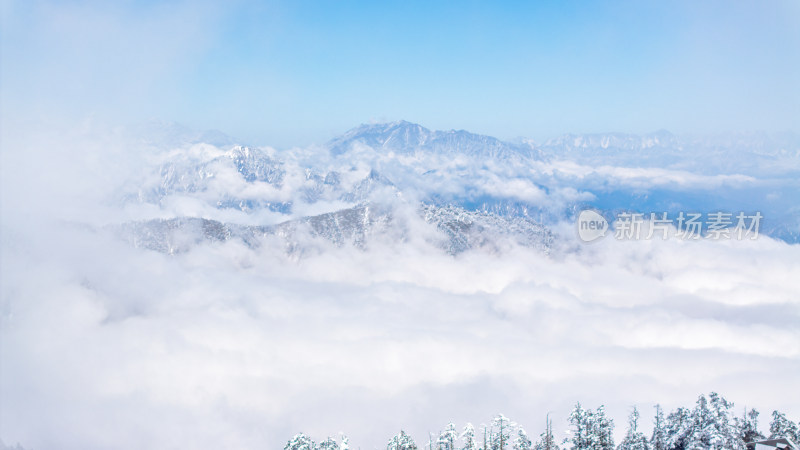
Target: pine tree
<point x="708" y="426"/>
<point x="679" y="429"/>
<point x="401" y="442"/>
<point x="468" y="437"/>
<point x="747" y="427"/>
<point x="300" y="442"/>
<point x="781" y="427"/>
<point x="591" y="430"/>
<point x="658" y="440"/>
<point x="723" y="433"/>
<point x="546" y="440"/>
<point x="501" y="433"/>
<point x="634" y="439"/>
<point x="522" y="442"/>
<point x="603" y="430"/>
<point x="580" y="436"/>
<point x="328" y="444"/>
<point x="711" y="425"/>
<point x="447" y="439"/>
<point x="702" y="425"/>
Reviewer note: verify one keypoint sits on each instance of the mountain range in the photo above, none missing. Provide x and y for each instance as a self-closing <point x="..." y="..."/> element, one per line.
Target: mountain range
<point x="471" y="190"/>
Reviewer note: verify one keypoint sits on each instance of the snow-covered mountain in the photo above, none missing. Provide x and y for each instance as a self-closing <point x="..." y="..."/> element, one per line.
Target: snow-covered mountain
<point x="459" y="230"/>
<point x="729" y="153"/>
<point x="618" y="141"/>
<point x="473" y="190"/>
<point x="409" y="138"/>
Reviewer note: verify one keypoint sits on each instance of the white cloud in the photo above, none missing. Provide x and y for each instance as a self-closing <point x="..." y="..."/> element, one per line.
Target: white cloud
<point x="103" y="345"/>
<point x="646" y="177"/>
<point x="136" y="347"/>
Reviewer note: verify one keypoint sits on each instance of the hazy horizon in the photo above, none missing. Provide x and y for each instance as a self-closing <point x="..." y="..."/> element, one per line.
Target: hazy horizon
<point x="286" y="74"/>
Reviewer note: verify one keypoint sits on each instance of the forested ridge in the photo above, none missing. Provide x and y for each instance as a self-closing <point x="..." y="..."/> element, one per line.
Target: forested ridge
<point x="710" y="424"/>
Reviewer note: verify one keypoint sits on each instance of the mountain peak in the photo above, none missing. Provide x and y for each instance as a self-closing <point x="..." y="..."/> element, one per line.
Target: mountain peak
<point x="408" y="137"/>
<point x="392" y="136"/>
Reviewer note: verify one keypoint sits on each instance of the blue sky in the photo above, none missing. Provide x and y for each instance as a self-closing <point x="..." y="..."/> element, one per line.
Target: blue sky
<point x="293" y="73"/>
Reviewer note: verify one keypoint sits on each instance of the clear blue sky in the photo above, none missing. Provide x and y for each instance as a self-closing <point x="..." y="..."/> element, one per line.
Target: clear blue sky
<point x="285" y="73"/>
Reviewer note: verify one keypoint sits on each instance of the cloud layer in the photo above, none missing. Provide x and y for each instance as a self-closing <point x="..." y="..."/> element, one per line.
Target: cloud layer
<point x="104" y="345"/>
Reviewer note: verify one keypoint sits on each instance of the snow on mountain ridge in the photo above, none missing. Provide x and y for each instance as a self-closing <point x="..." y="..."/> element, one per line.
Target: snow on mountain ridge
<point x="623" y="141"/>
<point x="255" y="165"/>
<point x="460" y="230"/>
<point x="406" y="162"/>
<point x="407" y="138"/>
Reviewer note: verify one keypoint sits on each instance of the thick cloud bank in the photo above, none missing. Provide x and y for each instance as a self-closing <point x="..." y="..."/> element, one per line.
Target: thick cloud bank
<point x="226" y="345"/>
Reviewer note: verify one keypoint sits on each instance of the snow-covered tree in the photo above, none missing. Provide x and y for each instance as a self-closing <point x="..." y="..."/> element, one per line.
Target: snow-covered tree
<point x="724" y="435"/>
<point x="634" y="439"/>
<point x="448" y="437"/>
<point x="402" y="441"/>
<point x="580" y="436"/>
<point x="603" y="430"/>
<point x="500" y="435"/>
<point x="300" y="442"/>
<point x="546" y="440"/>
<point x="522" y="442"/>
<point x="591" y="429"/>
<point x="679" y="429"/>
<point x="702" y="425"/>
<point x="328" y="444"/>
<point x="781" y="427"/>
<point x="658" y="440"/>
<point x="468" y="438"/>
<point x="711" y="425"/>
<point x="747" y="426"/>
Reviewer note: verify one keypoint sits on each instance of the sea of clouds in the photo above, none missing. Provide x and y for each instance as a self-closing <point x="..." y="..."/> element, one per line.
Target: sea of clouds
<point x="226" y="346"/>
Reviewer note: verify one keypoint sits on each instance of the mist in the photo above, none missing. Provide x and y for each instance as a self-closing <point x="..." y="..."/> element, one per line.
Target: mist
<point x="108" y="345"/>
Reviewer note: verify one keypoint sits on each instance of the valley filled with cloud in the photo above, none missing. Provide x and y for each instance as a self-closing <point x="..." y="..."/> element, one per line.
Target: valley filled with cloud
<point x="236" y="295"/>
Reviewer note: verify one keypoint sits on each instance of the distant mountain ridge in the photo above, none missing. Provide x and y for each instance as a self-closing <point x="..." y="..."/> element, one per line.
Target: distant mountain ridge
<point x="406" y="138"/>
<point x="626" y="141"/>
